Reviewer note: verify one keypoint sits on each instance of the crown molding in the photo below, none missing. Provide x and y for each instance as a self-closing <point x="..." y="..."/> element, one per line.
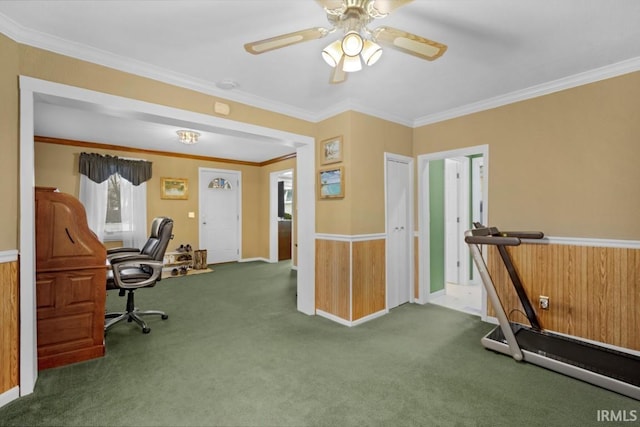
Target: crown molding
<point x="349" y="105"/>
<point x="83" y="52"/>
<point x="591" y="76"/>
<point x="80" y="51"/>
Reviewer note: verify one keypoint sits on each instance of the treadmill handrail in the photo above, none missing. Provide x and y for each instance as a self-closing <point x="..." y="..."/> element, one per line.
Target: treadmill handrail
<point x="482" y="230"/>
<point x="492" y="236"/>
<point x="523" y="234"/>
<point x="514" y="348"/>
<point x="492" y="240"/>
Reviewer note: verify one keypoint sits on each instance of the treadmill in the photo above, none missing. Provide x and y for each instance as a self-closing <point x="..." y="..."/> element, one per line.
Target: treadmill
<point x="611" y="369"/>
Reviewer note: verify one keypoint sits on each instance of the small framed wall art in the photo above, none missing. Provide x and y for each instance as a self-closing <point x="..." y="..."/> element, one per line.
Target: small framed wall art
<point x="331" y="183"/>
<point x="174" y="188"/>
<point x="331" y="150"/>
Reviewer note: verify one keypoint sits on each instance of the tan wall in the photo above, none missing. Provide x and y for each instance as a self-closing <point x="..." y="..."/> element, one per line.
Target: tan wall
<point x="9" y="113"/>
<point x="50" y="66"/>
<point x="565" y="163"/>
<point x="371" y="138"/>
<point x="365" y="140"/>
<point x="18" y="59"/>
<point x="334" y="215"/>
<point x="57" y="166"/>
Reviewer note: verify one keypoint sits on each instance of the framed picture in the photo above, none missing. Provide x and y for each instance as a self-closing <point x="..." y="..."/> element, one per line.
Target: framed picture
<point x="174" y="188"/>
<point x="331" y="150"/>
<point x="331" y="183"/>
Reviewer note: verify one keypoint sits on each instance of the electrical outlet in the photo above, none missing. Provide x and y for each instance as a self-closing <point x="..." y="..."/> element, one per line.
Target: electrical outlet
<point x="544" y="302"/>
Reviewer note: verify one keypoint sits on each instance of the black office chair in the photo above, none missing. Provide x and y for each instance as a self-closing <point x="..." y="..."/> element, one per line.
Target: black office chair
<point x="138" y="268"/>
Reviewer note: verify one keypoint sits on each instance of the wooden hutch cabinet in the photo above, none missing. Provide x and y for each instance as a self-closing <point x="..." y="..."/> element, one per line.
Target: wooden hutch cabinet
<point x="70" y="282"/>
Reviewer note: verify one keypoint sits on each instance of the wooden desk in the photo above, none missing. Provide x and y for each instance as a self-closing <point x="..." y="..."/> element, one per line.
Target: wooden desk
<point x="71" y="274"/>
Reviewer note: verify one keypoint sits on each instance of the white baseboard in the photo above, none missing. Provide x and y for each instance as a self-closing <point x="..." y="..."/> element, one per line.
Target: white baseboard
<point x="9" y="396"/>
<point x="333" y="317"/>
<point x="349" y="323"/>
<point x="254" y="259"/>
<point x="369" y="317"/>
<point x="437" y="294"/>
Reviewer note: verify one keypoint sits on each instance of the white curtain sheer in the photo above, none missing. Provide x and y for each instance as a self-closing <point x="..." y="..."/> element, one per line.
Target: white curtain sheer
<point x="133" y="210"/>
<point x="133" y="201"/>
<point x="94" y="198"/>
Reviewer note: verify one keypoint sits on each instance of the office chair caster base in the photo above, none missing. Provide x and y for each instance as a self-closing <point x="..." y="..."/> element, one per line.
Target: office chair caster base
<point x="164" y="316"/>
<point x="146" y="330"/>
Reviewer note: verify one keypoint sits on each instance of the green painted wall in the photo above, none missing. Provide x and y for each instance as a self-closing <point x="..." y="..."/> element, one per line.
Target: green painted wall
<point x="436" y="224"/>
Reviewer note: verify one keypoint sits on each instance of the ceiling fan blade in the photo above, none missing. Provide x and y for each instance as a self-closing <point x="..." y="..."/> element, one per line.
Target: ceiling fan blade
<point x="338" y="75"/>
<point x="385" y="7"/>
<point x="284" y="40"/>
<point x="409" y="43"/>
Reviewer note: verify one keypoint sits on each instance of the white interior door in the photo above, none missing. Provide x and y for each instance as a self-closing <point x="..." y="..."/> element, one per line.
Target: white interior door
<point x="398" y="190"/>
<point x="220" y="215"/>
<point x="452" y="220"/>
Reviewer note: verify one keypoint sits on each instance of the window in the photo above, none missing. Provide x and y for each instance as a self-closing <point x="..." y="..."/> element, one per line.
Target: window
<point x="115" y="229"/>
<point x="116" y="209"/>
<point x="114" y="194"/>
<point x="113" y="223"/>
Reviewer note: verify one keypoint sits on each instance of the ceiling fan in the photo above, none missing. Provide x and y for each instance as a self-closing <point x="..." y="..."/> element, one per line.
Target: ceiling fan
<point x="359" y="44"/>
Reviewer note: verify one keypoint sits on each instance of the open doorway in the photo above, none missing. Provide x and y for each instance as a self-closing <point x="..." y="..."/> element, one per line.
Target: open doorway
<point x="453" y="194"/>
<point x="32" y="89"/>
<point x="281" y="216"/>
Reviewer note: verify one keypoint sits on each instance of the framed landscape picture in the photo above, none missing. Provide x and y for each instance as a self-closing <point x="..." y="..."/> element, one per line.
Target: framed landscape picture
<point x="174" y="188"/>
<point x="331" y="183"/>
<point x="331" y="150"/>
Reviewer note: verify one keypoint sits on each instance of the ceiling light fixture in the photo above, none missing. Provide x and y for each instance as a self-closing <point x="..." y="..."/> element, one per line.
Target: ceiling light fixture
<point x="188" y="137"/>
<point x="349" y="50"/>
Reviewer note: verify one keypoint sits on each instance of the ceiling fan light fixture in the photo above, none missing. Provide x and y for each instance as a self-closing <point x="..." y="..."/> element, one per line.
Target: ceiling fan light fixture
<point x="371" y="52"/>
<point x="188" y="137"/>
<point x="352" y="43"/>
<point x="351" y="64"/>
<point x="333" y="53"/>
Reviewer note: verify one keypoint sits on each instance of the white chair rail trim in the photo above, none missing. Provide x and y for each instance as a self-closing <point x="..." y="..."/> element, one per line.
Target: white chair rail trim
<point x="351" y="237"/>
<point x="8" y="256"/>
<point x="586" y="241"/>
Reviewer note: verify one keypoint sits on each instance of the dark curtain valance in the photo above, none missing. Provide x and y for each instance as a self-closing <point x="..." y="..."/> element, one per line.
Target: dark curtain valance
<point x="98" y="168"/>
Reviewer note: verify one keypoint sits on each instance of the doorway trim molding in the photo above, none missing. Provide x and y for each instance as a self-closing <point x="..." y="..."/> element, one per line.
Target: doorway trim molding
<point x="30" y="88"/>
<point x="424" y="268"/>
<point x="273" y="215"/>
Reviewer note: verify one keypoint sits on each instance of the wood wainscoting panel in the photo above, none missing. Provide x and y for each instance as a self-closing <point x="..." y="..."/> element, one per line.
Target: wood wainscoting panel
<point x="333" y="265"/>
<point x="368" y="277"/>
<point x="9" y="361"/>
<point x="594" y="292"/>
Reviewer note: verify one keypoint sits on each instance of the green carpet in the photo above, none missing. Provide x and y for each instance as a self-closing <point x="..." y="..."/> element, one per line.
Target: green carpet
<point x="235" y="352"/>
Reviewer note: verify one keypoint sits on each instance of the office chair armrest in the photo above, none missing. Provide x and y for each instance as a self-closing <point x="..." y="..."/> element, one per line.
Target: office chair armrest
<point x="114" y="251"/>
<point x="135" y="261"/>
<point x="118" y="258"/>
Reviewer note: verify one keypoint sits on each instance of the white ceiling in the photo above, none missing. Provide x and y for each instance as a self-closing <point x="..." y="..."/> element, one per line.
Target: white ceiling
<point x="498" y="51"/>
